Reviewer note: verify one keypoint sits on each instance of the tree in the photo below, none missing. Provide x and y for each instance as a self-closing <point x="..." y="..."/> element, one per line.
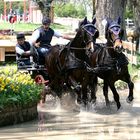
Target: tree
<point x="93" y="4"/>
<point x="134" y="5"/>
<point x="1" y="7"/>
<point x="44" y="6"/>
<point x="136" y="11"/>
<point x="109" y="9"/>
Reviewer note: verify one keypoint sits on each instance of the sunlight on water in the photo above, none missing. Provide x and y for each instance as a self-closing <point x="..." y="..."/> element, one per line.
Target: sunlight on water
<point x="98" y="121"/>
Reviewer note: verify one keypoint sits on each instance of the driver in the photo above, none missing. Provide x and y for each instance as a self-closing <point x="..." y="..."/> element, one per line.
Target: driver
<point x="41" y="38"/>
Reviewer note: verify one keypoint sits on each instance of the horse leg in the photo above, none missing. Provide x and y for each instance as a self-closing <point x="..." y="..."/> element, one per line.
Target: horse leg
<point x="84" y="93"/>
<point x="130" y="84"/>
<point x="130" y="96"/>
<point x="115" y="94"/>
<point x="55" y="87"/>
<point x="76" y="88"/>
<point x="105" y="92"/>
<point x="93" y="88"/>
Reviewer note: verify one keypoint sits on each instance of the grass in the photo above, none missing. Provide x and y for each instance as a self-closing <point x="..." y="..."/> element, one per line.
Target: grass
<point x="28" y="26"/>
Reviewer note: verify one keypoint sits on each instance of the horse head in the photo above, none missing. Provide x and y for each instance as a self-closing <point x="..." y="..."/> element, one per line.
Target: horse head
<point x="114" y="34"/>
<point x="88" y="31"/>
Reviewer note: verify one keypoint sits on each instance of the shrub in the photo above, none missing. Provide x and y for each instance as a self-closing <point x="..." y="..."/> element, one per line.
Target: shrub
<point x="17" y="89"/>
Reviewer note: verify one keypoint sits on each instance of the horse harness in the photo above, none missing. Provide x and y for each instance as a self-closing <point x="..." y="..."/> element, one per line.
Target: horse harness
<point x="106" y="61"/>
<point x="71" y="61"/>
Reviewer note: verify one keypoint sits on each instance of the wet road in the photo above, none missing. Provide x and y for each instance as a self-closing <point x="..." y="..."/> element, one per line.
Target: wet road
<point x="69" y="122"/>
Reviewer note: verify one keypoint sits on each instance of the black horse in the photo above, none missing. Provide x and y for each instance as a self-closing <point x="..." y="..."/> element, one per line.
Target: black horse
<point x="67" y="65"/>
<point x="110" y="63"/>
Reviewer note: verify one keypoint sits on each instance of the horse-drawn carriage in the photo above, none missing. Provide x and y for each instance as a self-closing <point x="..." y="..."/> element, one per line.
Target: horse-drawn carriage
<point x="37" y="72"/>
<point x="80" y="63"/>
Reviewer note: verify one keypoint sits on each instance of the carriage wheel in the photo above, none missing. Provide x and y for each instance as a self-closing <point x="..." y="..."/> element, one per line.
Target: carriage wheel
<point x="39" y="79"/>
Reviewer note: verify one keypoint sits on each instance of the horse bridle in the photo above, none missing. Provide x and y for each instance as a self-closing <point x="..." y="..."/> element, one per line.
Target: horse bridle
<point x="115" y="32"/>
<point x="84" y="27"/>
<point x="115" y="29"/>
<point x="90" y="33"/>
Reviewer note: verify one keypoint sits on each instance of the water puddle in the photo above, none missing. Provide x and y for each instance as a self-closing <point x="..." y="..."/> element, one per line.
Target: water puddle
<point x="64" y="120"/>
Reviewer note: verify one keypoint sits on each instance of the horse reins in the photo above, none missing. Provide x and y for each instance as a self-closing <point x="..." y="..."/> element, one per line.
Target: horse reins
<point x="75" y="48"/>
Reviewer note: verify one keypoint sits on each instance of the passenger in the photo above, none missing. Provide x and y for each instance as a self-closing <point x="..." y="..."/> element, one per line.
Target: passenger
<point x="23" y="52"/>
<point x="42" y="37"/>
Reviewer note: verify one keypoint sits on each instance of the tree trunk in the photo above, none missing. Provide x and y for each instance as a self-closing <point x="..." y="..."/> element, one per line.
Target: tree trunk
<point x="135" y="5"/>
<point x="45" y="7"/>
<point x="94" y="10"/>
<point x="109" y="9"/>
<point x="136" y="11"/>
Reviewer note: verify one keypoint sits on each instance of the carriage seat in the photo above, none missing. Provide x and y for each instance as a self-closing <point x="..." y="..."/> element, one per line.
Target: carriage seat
<point x="24" y="63"/>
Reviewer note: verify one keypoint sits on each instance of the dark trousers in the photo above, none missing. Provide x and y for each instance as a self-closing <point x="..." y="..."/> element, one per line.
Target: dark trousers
<point x="42" y="52"/>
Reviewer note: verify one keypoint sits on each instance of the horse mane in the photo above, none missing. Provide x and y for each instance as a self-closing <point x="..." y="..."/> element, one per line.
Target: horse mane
<point x="74" y="42"/>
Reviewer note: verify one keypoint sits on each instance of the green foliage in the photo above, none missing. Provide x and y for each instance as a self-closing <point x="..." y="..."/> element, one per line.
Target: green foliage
<point x="1" y="7"/>
<point x="129" y="13"/>
<point x="81" y="11"/>
<point x="19" y="26"/>
<point x="69" y="10"/>
<point x="17" y="6"/>
<point x="27" y="26"/>
<point x="138" y="60"/>
<point x="17" y="89"/>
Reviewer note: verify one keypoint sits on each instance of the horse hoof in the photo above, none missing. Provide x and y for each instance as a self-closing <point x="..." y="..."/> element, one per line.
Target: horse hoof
<point x="129" y="99"/>
<point x="79" y="101"/>
<point x="118" y="106"/>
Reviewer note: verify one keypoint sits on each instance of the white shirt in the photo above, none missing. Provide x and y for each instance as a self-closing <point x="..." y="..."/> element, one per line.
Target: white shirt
<point x="19" y="50"/>
<point x="36" y="34"/>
